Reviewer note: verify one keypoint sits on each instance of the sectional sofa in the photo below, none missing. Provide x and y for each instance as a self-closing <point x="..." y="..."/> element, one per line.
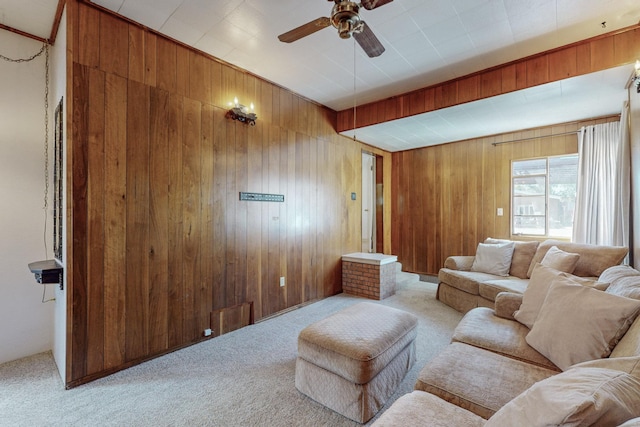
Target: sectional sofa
<point x="564" y="351"/>
<point x="464" y="283"/>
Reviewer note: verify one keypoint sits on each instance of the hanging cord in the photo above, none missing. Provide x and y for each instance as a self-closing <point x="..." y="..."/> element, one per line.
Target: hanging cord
<point x="44" y="49"/>
<point x="31" y="58"/>
<point x="45" y="205"/>
<point x="354" y="88"/>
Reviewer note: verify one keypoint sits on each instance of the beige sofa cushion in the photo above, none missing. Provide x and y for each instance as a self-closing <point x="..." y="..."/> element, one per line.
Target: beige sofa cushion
<point x="536" y="292"/>
<point x="594" y="259"/>
<point x="523" y="253"/>
<point x="629" y="344"/>
<point x="474" y="378"/>
<point x="579" y="397"/>
<point x="480" y="327"/>
<point x="467" y="281"/>
<point x="491" y="288"/>
<point x="630" y="365"/>
<point x="421" y="408"/>
<point x="578" y="323"/>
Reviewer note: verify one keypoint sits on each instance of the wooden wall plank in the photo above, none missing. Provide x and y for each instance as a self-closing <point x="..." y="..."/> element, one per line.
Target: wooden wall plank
<point x="115" y="166"/>
<point x="150" y="59"/>
<point x="79" y="168"/>
<point x="137" y="242"/>
<point x="136" y="55"/>
<point x="204" y="299"/>
<point x="166" y="65"/>
<point x="468" y="89"/>
<point x="95" y="231"/>
<point x="230" y="206"/>
<point x="176" y="290"/>
<point x="89" y="27"/>
<point x="220" y="211"/>
<point x="563" y="64"/>
<point x="191" y="214"/>
<point x="159" y="184"/>
<point x="114" y="45"/>
<point x="537" y="70"/>
<point x="241" y="164"/>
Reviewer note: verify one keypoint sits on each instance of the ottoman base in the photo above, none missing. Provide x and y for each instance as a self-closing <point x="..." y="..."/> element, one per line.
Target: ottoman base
<point x="359" y="402"/>
<point x="353" y="360"/>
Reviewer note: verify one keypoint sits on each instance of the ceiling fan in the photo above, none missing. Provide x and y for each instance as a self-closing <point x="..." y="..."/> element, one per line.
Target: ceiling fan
<point x="345" y="18"/>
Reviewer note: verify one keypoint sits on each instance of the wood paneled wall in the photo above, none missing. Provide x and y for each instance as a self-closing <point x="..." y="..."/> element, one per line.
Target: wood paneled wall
<point x="445" y="197"/>
<point x="158" y="238"/>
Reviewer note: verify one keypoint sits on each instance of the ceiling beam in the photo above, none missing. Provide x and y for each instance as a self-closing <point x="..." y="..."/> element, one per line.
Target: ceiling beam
<point x="54" y="27"/>
<point x="23" y="33"/>
<point x="56" y="21"/>
<point x="587" y="56"/>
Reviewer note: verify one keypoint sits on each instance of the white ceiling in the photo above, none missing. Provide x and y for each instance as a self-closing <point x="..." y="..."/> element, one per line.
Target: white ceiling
<point x="426" y="41"/>
<point x="33" y="17"/>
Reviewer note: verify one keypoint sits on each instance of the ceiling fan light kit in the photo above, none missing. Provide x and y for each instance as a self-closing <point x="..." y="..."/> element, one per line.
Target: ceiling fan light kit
<point x="345" y="17"/>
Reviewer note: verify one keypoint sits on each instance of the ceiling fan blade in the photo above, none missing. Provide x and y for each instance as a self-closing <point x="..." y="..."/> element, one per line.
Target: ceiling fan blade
<point x="368" y="41"/>
<point x="372" y="4"/>
<point x="304" y="30"/>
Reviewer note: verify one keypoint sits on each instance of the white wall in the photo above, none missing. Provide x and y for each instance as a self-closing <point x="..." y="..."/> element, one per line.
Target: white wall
<point x="26" y="324"/>
<point x="58" y="81"/>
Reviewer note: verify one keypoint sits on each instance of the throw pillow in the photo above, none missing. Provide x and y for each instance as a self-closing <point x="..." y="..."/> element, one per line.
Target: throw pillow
<point x="493" y="258"/>
<point x="577" y="323"/>
<point x="537" y="289"/>
<point x="523" y="253"/>
<point x="579" y="396"/>
<point x="560" y="260"/>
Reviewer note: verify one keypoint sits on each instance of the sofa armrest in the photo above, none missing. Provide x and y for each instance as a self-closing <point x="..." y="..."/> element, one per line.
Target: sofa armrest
<point x="460" y="262"/>
<point x="507" y="303"/>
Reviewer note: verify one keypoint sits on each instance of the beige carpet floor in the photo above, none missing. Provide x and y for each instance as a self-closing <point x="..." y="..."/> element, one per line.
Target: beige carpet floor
<point x="244" y="378"/>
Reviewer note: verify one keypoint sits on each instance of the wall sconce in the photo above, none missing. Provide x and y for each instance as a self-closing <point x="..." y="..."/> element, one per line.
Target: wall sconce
<point x="241" y="113"/>
<point x="636" y="77"/>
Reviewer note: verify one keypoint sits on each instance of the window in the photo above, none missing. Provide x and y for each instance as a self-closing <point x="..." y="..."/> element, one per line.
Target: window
<point x="543" y="196"/>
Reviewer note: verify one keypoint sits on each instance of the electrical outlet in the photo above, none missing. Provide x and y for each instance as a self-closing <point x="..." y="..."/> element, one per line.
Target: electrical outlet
<point x="207" y="332"/>
<point x="500" y="212"/>
<point x="282" y="282"/>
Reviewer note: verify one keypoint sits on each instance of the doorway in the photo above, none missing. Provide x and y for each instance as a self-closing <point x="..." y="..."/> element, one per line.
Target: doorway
<point x="372" y="201"/>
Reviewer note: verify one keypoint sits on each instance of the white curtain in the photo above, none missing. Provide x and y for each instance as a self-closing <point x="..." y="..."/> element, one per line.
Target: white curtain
<point x="602" y="201"/>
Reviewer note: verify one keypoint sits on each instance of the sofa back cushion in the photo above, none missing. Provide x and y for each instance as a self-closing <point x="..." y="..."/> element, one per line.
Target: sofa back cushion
<point x="577" y="323"/>
<point x="582" y="396"/>
<point x="523" y="253"/>
<point x="624" y="281"/>
<point x="594" y="259"/>
<point x="629" y="344"/>
<point x="537" y="289"/>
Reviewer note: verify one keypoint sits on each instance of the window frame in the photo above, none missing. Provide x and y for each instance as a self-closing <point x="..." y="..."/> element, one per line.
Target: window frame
<point x="512" y="197"/>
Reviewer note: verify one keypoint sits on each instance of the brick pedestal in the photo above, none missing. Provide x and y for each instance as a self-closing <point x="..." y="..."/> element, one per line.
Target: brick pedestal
<point x="370" y="276"/>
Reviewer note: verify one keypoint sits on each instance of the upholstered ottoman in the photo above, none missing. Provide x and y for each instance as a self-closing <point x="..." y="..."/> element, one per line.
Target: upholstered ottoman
<point x="353" y="360"/>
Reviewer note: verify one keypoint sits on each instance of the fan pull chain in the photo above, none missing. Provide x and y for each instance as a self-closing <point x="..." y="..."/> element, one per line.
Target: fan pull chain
<point x="354" y="89"/>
